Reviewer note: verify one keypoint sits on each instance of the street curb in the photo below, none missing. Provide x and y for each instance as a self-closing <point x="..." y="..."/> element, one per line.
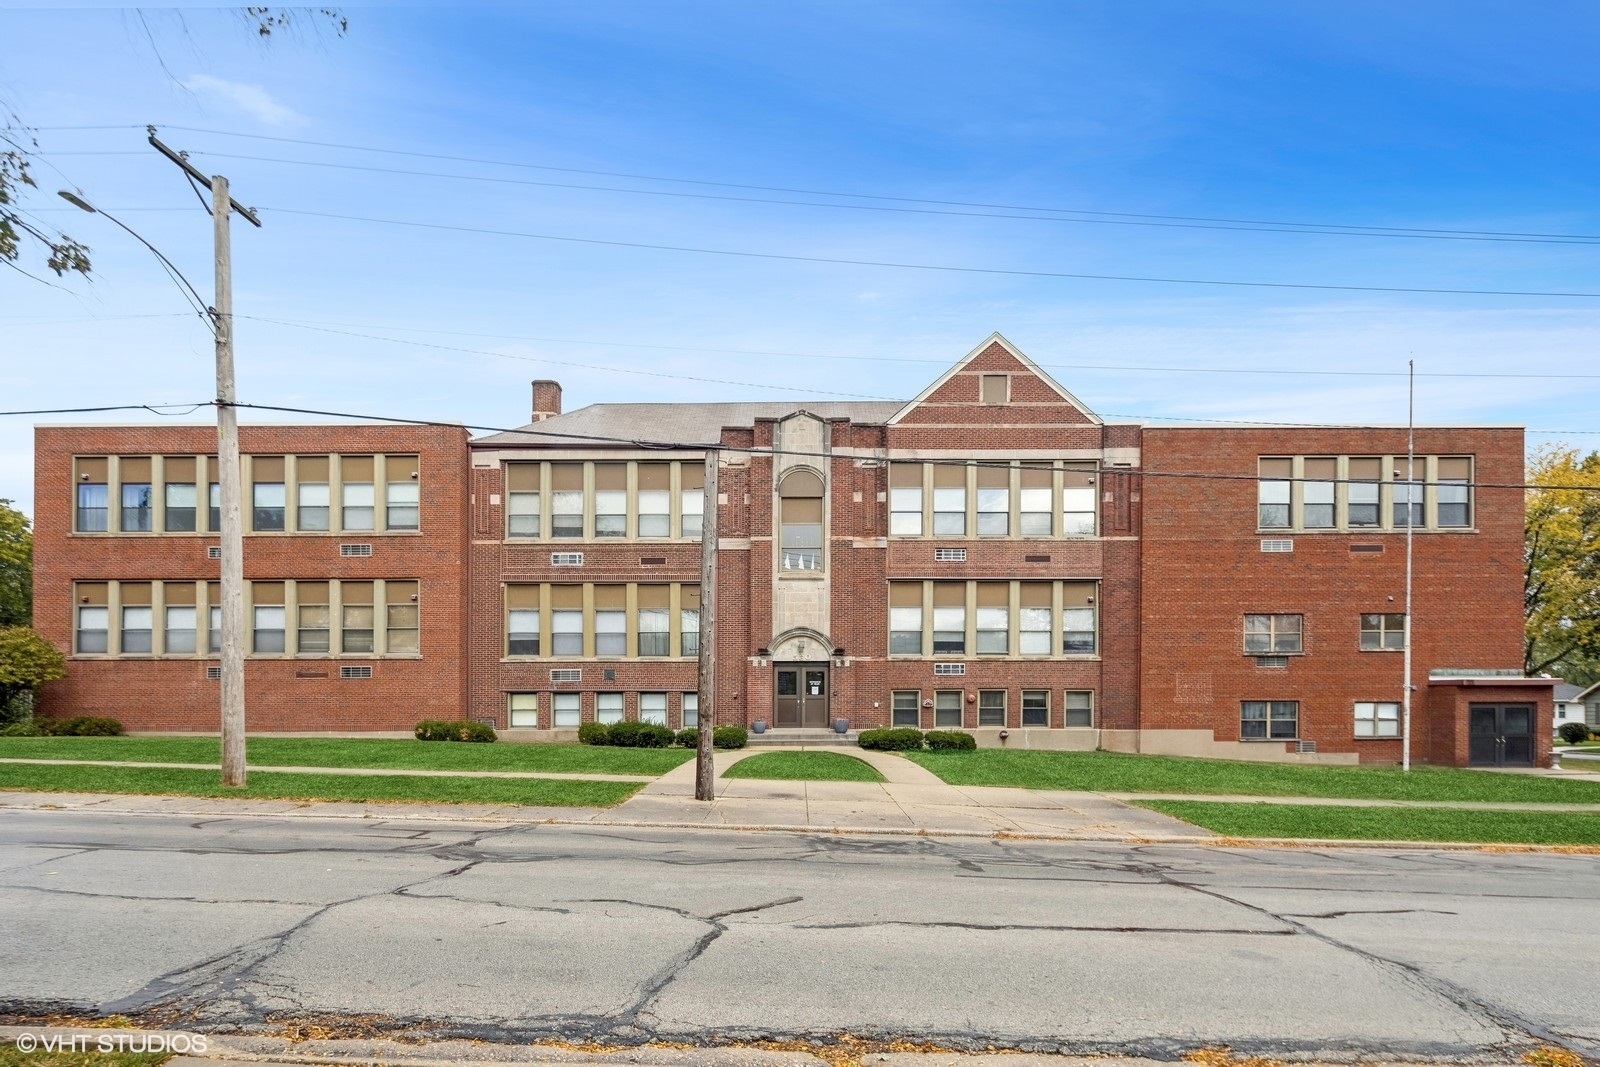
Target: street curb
<point x="1212" y="840"/>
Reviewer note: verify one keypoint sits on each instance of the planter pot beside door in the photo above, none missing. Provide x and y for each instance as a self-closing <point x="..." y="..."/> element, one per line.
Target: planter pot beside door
<point x="759" y="726"/>
<point x="841" y="726"/>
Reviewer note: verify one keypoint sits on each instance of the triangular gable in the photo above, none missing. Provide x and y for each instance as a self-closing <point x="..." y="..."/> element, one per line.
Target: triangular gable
<point x="1008" y="352"/>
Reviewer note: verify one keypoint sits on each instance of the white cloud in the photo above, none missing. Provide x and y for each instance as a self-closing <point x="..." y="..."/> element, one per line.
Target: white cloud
<point x="253" y="100"/>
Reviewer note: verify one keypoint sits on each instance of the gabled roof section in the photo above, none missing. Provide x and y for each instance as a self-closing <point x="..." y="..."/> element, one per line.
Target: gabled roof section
<point x="998" y="356"/>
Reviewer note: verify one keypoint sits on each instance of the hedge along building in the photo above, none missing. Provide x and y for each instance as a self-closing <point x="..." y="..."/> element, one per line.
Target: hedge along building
<point x="989" y="556"/>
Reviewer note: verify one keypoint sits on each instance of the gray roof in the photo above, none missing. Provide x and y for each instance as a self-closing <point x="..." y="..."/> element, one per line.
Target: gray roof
<point x="685" y="424"/>
<point x="1567" y="691"/>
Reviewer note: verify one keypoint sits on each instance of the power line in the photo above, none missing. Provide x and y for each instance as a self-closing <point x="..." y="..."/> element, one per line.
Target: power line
<point x="118" y="407"/>
<point x="943" y="268"/>
<point x="1330" y="226"/>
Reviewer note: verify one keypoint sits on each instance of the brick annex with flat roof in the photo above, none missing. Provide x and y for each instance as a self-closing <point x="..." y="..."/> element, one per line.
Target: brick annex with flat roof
<point x="990" y="556"/>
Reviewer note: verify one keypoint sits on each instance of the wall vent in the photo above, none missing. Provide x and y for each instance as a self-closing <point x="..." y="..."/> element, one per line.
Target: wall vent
<point x="949" y="670"/>
<point x="355" y="550"/>
<point x="1366" y="548"/>
<point x="566" y="674"/>
<point x="355" y="672"/>
<point x="608" y="674"/>
<point x="566" y="559"/>
<point x="1277" y="544"/>
<point x="949" y="555"/>
<point x="1305" y="746"/>
<point x="1036" y="559"/>
<point x="652" y="561"/>
<point x="214" y="673"/>
<point x="213" y="552"/>
<point x="487" y="720"/>
<point x="1280" y="662"/>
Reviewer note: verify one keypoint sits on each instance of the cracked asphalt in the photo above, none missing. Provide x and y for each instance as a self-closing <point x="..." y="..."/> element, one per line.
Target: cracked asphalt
<point x="589" y="933"/>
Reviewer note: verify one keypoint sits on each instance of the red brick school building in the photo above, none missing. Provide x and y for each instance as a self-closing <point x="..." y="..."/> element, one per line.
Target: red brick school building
<point x="989" y="556"/>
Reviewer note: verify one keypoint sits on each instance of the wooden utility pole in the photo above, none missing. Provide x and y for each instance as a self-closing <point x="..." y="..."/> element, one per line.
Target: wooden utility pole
<point x="228" y="470"/>
<point x="705" y="782"/>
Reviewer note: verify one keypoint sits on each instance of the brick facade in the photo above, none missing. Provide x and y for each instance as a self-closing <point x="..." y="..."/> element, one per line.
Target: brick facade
<point x="1174" y="564"/>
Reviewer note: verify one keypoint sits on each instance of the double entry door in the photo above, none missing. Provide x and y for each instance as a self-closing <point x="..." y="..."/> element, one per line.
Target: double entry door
<point x="1500" y="735"/>
<point x="800" y="695"/>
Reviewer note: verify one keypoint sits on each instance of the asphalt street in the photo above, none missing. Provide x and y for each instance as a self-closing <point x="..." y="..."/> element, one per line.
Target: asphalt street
<point x="528" y="932"/>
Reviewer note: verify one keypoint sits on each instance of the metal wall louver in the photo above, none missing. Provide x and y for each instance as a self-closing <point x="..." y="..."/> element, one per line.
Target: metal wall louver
<point x="949" y="670"/>
<point x="1277" y="544"/>
<point x="355" y="550"/>
<point x="355" y="672"/>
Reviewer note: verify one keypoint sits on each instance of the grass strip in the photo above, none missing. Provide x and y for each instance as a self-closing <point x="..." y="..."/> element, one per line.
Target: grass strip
<point x="11" y="1057"/>
<point x="264" y="785"/>
<point x="1117" y="772"/>
<point x="1385" y="824"/>
<point x="804" y="766"/>
<point x="375" y="753"/>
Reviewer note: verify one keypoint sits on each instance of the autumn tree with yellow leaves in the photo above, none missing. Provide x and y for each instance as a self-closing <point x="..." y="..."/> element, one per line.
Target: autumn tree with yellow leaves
<point x="1561" y="555"/>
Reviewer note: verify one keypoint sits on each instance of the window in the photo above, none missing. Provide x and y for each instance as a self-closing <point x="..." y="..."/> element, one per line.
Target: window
<point x="522" y="629"/>
<point x="1033" y="619"/>
<point x="1269" y="720"/>
<point x="137" y="507"/>
<point x="566" y="709"/>
<point x="312" y="502"/>
<point x="949" y="618"/>
<point x="949" y="500"/>
<point x="1077" y="619"/>
<point x="1454" y="500"/>
<point x="566" y="500"/>
<point x="357" y="512"/>
<point x="1382" y="632"/>
<point x="905" y="618"/>
<point x="905" y="500"/>
<point x="1317" y="509"/>
<point x="991" y="707"/>
<point x="653" y="708"/>
<point x="1079" y="704"/>
<point x="180" y="626"/>
<point x="314" y="625"/>
<point x="94" y="626"/>
<point x="267" y="500"/>
<point x="1036" y="707"/>
<point x="800" y="521"/>
<point x="1272" y="493"/>
<point x="906" y="708"/>
<point x="1078" y="508"/>
<point x="214" y="506"/>
<point x="655" y="636"/>
<point x="611" y="500"/>
<point x="655" y="500"/>
<point x="994" y="501"/>
<point x="179" y="494"/>
<point x="995" y="388"/>
<point x="522" y="709"/>
<point x="691" y="711"/>
<point x="691" y="499"/>
<point x="566" y="620"/>
<point x="268" y="628"/>
<point x="402" y="493"/>
<point x="213" y="624"/>
<point x="1033" y="502"/>
<point x="1365" y="473"/>
<point x="608" y="707"/>
<point x="137" y="622"/>
<point x="358" y="616"/>
<point x="93" y="477"/>
<point x="1408" y="501"/>
<point x="947" y="708"/>
<point x="1272" y="635"/>
<point x="523" y="503"/>
<point x="610" y="620"/>
<point x="689" y="621"/>
<point x="402" y="618"/>
<point x="993" y="617"/>
<point x="1377" y="719"/>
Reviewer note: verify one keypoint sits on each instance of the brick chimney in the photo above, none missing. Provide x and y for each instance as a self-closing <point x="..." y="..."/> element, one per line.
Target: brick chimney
<point x="546" y="399"/>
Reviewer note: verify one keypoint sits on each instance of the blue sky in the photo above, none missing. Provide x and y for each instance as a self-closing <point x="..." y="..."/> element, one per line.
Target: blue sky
<point x="1440" y="116"/>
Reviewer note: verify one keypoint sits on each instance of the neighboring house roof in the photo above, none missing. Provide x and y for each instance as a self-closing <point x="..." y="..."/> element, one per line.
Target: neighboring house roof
<point x="1567" y="691"/>
<point x="679" y="424"/>
<point x="1593" y="690"/>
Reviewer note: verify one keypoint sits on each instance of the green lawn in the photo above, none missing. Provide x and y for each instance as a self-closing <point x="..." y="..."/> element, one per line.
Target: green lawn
<point x="804" y="766"/>
<point x="10" y="1057"/>
<point x="265" y="785"/>
<point x="1386" y="824"/>
<point x="1117" y="772"/>
<point x="393" y="754"/>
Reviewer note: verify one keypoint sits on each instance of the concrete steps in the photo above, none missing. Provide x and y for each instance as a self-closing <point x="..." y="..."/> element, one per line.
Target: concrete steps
<point x="792" y="738"/>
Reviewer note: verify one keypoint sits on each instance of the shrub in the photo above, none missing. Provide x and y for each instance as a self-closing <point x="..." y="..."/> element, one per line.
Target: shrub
<point x="891" y="739"/>
<point x="951" y="741"/>
<point x="730" y="737"/>
<point x="21" y="729"/>
<point x="689" y="737"/>
<point x="1574" y="733"/>
<point x="594" y="733"/>
<point x="458" y="730"/>
<point x="89" y="726"/>
<point x="633" y="734"/>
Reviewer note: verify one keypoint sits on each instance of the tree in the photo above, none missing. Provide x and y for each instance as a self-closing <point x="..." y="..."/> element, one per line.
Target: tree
<point x="27" y="661"/>
<point x="16" y="567"/>
<point x="1561" y="555"/>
